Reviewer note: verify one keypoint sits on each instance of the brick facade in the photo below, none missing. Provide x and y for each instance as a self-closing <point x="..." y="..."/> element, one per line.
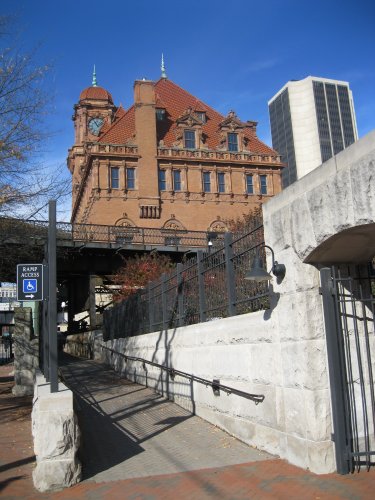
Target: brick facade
<point x="169" y="161"/>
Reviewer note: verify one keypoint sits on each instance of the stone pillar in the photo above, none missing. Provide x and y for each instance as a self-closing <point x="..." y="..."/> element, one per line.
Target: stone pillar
<point x="56" y="438"/>
<point x="26" y="352"/>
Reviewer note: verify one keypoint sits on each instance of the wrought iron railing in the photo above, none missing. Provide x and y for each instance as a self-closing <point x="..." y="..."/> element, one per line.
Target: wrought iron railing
<point x="29" y="231"/>
<point x="208" y="285"/>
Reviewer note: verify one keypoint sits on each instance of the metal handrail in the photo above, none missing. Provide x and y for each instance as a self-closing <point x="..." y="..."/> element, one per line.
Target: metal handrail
<point x="172" y="372"/>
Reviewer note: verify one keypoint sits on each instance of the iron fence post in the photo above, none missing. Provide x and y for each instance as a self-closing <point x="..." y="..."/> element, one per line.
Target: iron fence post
<point x="180" y="294"/>
<point x="164" y="300"/>
<point x="150" y="308"/>
<point x="229" y="271"/>
<point x="202" y="296"/>
<point x="336" y="367"/>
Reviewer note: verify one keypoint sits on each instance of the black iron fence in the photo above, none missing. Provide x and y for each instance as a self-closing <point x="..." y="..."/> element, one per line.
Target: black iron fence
<point x="206" y="286"/>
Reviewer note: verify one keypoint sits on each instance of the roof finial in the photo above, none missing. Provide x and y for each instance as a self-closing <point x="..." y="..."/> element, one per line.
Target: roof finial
<point x="163" y="73"/>
<point x="94" y="78"/>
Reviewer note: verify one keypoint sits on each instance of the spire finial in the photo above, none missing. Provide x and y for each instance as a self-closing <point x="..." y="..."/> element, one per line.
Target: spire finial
<point x="162" y="67"/>
<point x="94" y="78"/>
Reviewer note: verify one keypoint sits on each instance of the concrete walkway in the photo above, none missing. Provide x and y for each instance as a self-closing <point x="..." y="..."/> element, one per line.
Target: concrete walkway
<point x="130" y="431"/>
<point x="138" y="446"/>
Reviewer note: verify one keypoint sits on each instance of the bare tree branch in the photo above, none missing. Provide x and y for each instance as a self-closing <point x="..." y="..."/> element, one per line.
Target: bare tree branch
<point x="24" y="182"/>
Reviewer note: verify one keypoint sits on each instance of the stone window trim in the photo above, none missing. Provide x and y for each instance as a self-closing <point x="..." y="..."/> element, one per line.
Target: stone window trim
<point x="190" y="139"/>
<point x="114" y="177"/>
<point x="263" y="184"/>
<point x="206" y="181"/>
<point x="249" y="184"/>
<point x="162" y="180"/>
<point x="130" y="179"/>
<point x="221" y="182"/>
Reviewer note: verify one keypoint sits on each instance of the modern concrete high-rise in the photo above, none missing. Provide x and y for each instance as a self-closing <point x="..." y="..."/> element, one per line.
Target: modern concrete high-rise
<point x="311" y="120"/>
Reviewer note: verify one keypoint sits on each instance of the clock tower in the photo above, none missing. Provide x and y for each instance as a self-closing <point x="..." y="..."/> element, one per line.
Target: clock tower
<point x="93" y="114"/>
<point x="94" y="109"/>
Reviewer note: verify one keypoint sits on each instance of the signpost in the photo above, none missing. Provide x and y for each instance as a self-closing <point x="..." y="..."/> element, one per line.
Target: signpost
<point x="30" y="282"/>
<point x="30" y="286"/>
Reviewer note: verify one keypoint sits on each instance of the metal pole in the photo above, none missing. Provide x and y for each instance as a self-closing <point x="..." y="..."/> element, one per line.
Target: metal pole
<point x="164" y="300"/>
<point x="202" y="297"/>
<point x="52" y="306"/>
<point x="336" y="371"/>
<point x="229" y="271"/>
<point x="180" y="294"/>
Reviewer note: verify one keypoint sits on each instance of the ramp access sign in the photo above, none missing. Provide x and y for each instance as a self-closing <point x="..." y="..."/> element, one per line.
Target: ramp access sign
<point x="30" y="282"/>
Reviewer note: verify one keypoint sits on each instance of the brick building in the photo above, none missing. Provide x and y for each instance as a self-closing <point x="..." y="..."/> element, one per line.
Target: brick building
<point x="169" y="161"/>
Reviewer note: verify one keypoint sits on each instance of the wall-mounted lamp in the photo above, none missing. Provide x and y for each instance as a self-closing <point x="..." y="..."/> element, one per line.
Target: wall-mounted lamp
<point x="259" y="274"/>
<point x="211" y="236"/>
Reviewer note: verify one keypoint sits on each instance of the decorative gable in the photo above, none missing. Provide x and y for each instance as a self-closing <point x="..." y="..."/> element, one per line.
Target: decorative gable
<point x="189" y="119"/>
<point x="232" y="123"/>
<point x="232" y="128"/>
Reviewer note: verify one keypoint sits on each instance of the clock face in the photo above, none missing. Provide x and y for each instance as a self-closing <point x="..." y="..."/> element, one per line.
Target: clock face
<point x="95" y="124"/>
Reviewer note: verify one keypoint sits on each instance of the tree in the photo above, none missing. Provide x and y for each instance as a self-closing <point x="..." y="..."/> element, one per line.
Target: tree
<point x="24" y="103"/>
<point x="138" y="271"/>
<point x="247" y="222"/>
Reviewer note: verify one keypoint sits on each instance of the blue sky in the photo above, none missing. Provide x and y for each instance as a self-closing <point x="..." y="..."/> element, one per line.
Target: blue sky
<point x="232" y="55"/>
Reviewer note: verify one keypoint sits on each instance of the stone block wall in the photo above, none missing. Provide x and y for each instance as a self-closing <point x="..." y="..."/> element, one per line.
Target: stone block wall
<point x="26" y="352"/>
<point x="250" y="353"/>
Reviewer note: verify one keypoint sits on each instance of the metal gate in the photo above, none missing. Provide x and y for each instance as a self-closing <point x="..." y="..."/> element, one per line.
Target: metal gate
<point x="348" y="301"/>
<point x="6" y="351"/>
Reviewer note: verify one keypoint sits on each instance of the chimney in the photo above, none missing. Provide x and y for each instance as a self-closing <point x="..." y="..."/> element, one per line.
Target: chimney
<point x="146" y="140"/>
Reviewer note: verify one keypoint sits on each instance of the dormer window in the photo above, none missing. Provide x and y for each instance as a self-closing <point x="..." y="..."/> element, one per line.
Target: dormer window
<point x="201" y="115"/>
<point x="160" y="114"/>
<point x="232" y="142"/>
<point x="189" y="139"/>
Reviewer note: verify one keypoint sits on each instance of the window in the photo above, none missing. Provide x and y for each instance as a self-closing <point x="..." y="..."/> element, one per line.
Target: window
<point x="130" y="178"/>
<point x="249" y="184"/>
<point x="160" y="114"/>
<point x="263" y="184"/>
<point x="189" y="139"/>
<point x="115" y="177"/>
<point x="162" y="181"/>
<point x="206" y="182"/>
<point x="232" y="142"/>
<point x="221" y="182"/>
<point x="176" y="180"/>
<point x="201" y="115"/>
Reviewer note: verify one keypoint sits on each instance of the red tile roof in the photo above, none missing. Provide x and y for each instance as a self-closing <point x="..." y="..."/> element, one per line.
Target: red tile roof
<point x="176" y="101"/>
<point x="97" y="93"/>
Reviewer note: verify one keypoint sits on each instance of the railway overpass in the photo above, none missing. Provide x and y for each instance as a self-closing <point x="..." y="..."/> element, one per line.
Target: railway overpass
<point x="88" y="254"/>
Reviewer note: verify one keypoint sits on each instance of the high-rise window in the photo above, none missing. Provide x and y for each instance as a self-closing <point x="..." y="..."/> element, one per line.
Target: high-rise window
<point x="206" y="182"/>
<point x="115" y="178"/>
<point x="263" y="184"/>
<point x="162" y="181"/>
<point x="232" y="142"/>
<point x="249" y="184"/>
<point x="221" y="182"/>
<point x="189" y="139"/>
<point x="176" y="180"/>
<point x="322" y="119"/>
<point x="130" y="178"/>
<point x="346" y="114"/>
<point x="282" y="135"/>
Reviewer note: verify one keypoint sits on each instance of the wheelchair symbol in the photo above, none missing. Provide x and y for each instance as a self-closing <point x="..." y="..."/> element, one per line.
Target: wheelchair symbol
<point x="29" y="286"/>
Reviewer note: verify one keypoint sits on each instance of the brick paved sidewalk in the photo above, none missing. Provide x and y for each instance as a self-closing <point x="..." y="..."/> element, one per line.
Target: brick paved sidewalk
<point x="117" y="403"/>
